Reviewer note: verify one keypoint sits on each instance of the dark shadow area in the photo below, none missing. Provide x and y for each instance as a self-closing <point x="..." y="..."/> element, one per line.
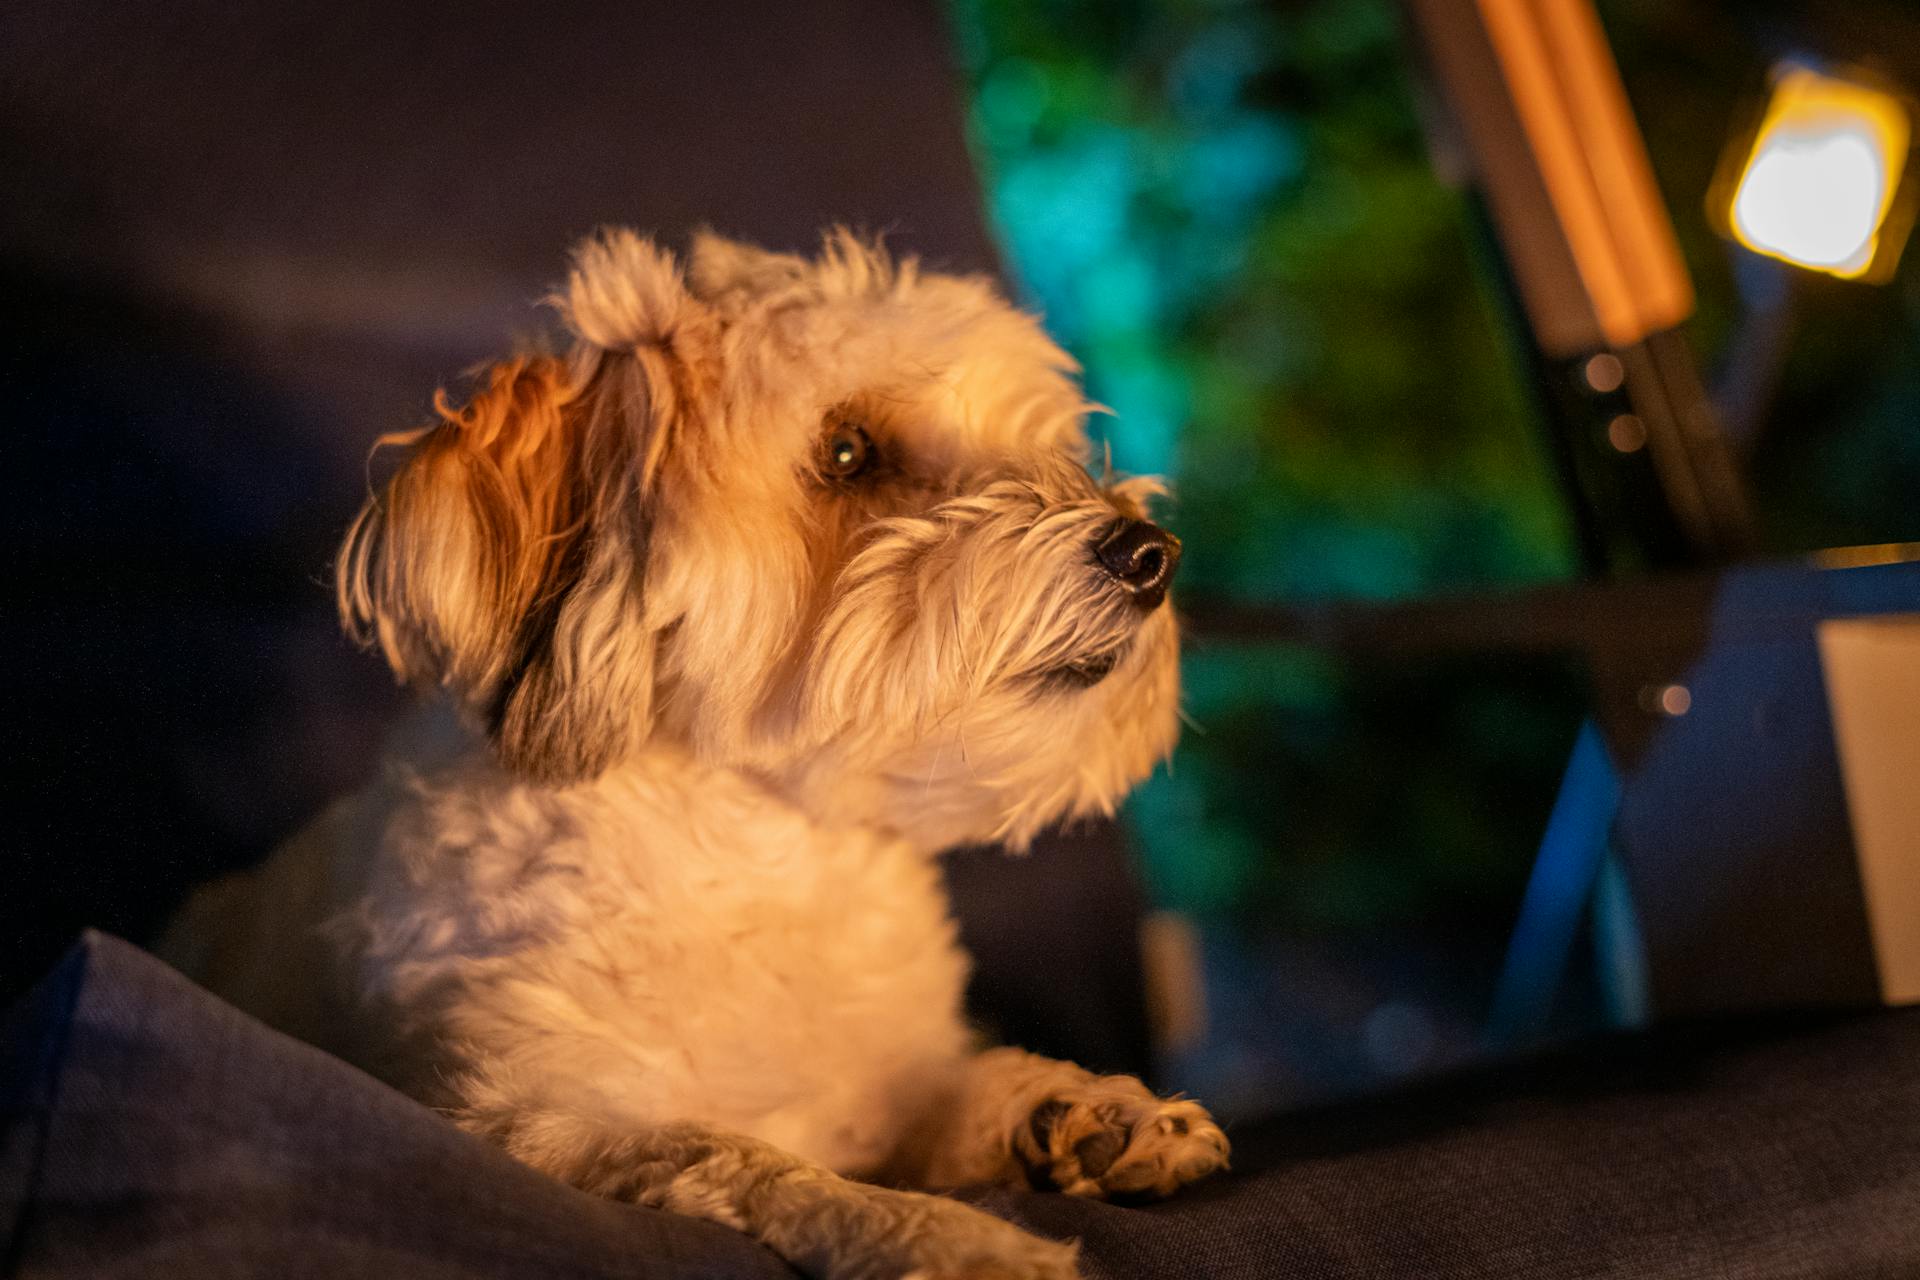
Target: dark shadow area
<point x="179" y="695"/>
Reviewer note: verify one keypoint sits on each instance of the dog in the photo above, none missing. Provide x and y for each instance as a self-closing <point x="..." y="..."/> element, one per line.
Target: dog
<point x="786" y="574"/>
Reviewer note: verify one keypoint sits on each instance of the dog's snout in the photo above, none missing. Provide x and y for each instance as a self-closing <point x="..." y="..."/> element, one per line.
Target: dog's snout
<point x="1141" y="557"/>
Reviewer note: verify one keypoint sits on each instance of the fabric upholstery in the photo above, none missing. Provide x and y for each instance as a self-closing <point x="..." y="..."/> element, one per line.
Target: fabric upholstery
<point x="148" y="1129"/>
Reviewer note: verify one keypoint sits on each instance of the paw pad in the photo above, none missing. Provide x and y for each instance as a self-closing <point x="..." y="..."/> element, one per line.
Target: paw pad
<point x="1110" y="1137"/>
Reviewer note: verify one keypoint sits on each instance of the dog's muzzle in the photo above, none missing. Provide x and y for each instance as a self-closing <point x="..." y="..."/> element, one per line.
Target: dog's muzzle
<point x="1142" y="558"/>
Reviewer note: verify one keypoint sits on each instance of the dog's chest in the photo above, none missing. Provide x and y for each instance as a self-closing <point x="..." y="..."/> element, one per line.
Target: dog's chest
<point x="698" y="951"/>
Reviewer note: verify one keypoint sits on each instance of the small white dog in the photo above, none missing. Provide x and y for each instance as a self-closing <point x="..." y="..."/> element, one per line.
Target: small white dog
<point x="789" y="575"/>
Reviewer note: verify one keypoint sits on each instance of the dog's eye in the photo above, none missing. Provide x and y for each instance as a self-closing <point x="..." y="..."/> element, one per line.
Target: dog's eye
<point x="849" y="450"/>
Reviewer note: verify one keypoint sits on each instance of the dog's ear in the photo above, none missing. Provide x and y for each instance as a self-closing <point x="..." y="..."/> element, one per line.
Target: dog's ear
<point x="506" y="558"/>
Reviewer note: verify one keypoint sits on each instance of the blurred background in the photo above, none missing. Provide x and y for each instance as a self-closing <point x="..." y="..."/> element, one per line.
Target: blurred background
<point x="236" y="247"/>
<point x="1232" y="213"/>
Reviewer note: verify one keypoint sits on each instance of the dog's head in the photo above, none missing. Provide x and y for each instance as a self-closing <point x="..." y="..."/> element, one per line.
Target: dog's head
<point x="828" y="521"/>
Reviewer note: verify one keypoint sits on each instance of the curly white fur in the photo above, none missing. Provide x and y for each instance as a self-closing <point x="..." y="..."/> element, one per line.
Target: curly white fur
<point x="674" y="932"/>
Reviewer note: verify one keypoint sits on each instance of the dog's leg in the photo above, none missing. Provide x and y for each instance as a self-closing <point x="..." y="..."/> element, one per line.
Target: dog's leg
<point x="1021" y="1118"/>
<point x="829" y="1227"/>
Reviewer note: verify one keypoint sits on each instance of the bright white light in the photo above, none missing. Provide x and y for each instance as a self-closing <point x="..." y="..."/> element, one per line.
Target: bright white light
<point x="1814" y="200"/>
<point x="1821" y="174"/>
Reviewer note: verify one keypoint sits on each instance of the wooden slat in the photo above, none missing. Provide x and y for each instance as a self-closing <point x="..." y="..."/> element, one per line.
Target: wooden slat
<point x="1533" y="87"/>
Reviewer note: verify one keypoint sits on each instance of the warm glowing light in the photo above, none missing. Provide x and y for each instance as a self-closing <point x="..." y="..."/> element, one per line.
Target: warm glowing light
<point x="1626" y="433"/>
<point x="1605" y="373"/>
<point x="1821" y="174"/>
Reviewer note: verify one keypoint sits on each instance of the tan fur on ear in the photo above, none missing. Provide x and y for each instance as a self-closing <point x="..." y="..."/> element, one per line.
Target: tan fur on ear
<point x="625" y="292"/>
<point x="504" y="561"/>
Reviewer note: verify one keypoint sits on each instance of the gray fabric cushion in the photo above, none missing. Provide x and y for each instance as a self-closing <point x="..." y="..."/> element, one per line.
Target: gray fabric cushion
<point x="1731" y="1150"/>
<point x="148" y="1129"/>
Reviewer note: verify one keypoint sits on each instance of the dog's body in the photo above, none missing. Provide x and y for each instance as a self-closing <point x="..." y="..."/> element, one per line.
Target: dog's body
<point x="790" y="577"/>
<point x="668" y="942"/>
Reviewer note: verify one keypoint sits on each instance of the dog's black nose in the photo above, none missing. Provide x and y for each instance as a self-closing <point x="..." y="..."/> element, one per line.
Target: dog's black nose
<point x="1142" y="558"/>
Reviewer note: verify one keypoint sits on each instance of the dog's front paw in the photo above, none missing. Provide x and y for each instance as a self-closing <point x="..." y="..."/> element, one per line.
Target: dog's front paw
<point x="1110" y="1136"/>
<point x="947" y="1240"/>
